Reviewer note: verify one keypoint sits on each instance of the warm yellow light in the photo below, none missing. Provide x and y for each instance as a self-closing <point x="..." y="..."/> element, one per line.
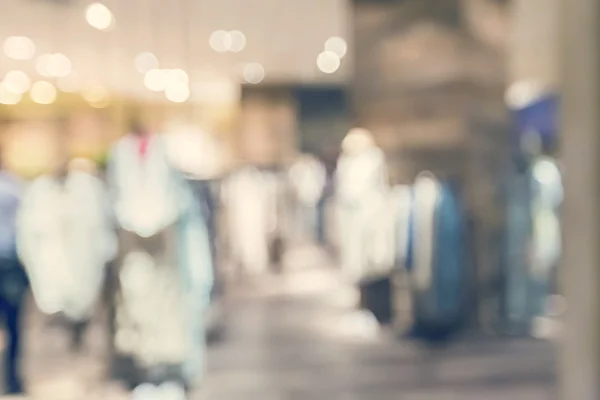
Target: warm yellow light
<point x="328" y="62"/>
<point x="99" y="16"/>
<point x="144" y="62"/>
<point x="7" y="96"/>
<point x="337" y="45"/>
<point x="253" y="73"/>
<point x="95" y="94"/>
<point x="19" y="48"/>
<point x="43" y="92"/>
<point x="17" y="81"/>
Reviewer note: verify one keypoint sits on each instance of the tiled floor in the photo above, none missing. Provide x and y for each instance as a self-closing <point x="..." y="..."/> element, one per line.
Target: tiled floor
<point x="297" y="344"/>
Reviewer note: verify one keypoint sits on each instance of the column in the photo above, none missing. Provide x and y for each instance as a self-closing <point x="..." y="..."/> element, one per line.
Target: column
<point x="580" y="361"/>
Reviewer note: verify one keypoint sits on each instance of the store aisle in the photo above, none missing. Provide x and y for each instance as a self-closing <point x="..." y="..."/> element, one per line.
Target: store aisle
<point x="293" y="341"/>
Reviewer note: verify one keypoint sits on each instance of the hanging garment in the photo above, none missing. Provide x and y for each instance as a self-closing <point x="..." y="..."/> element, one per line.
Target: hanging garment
<point x="251" y="216"/>
<point x="438" y="267"/>
<point x="402" y="203"/>
<point x="519" y="232"/>
<point x="65" y="240"/>
<point x="164" y="273"/>
<point x="546" y="241"/>
<point x="307" y="177"/>
<point x="361" y="191"/>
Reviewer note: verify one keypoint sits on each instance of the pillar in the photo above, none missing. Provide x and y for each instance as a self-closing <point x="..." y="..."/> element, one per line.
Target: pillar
<point x="429" y="82"/>
<point x="580" y="58"/>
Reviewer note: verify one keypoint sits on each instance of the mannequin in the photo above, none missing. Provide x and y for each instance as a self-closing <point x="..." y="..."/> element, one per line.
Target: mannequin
<point x="361" y="188"/>
<point x="251" y="218"/>
<point x="164" y="274"/>
<point x="66" y="240"/>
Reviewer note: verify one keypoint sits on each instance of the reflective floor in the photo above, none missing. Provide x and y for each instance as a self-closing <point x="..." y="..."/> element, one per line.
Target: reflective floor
<point x="296" y="340"/>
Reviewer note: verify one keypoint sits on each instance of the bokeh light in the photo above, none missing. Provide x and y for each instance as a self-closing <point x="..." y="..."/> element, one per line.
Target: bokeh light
<point x="178" y="93"/>
<point x="155" y="80"/>
<point x="220" y="41"/>
<point x="144" y="62"/>
<point x="54" y="65"/>
<point x="99" y="16"/>
<point x="43" y="92"/>
<point x="17" y="81"/>
<point x="97" y="96"/>
<point x="237" y="41"/>
<point x="253" y="73"/>
<point x="19" y="48"/>
<point x="337" y="45"/>
<point x="7" y="96"/>
<point x="328" y="62"/>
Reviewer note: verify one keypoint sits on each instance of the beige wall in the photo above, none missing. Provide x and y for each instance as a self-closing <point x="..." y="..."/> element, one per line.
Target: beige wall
<point x="534" y="43"/>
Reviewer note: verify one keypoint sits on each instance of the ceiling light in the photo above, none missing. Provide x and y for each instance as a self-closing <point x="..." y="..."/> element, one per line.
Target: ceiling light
<point x="237" y="41"/>
<point x="43" y="92"/>
<point x="144" y="62"/>
<point x="220" y="41"/>
<point x="328" y="62"/>
<point x="155" y="80"/>
<point x="337" y="45"/>
<point x="253" y="73"/>
<point x="17" y="81"/>
<point x="99" y="16"/>
<point x="7" y="96"/>
<point x="19" y="48"/>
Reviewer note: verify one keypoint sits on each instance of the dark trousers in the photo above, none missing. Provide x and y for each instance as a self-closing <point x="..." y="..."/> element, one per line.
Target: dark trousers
<point x="376" y="297"/>
<point x="12" y="318"/>
<point x="13" y="286"/>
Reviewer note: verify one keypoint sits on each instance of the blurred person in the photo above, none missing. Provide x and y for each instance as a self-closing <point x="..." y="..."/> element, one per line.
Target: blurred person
<point x="252" y="212"/>
<point x="361" y="190"/>
<point x="66" y="240"/>
<point x="13" y="279"/>
<point x="308" y="178"/>
<point x="164" y="274"/>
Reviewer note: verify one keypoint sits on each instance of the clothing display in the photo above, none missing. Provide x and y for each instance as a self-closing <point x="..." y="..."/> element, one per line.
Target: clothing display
<point x="362" y="191"/>
<point x="308" y="178"/>
<point x="436" y="261"/>
<point x="164" y="274"/>
<point x="65" y="240"/>
<point x="250" y="204"/>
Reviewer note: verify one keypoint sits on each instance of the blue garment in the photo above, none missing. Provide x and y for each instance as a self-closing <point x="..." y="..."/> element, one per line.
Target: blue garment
<point x="10" y="200"/>
<point x="441" y="304"/>
<point x="519" y="231"/>
<point x="449" y="257"/>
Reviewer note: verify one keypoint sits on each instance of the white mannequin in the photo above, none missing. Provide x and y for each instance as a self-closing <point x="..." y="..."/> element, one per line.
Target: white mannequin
<point x="362" y="189"/>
